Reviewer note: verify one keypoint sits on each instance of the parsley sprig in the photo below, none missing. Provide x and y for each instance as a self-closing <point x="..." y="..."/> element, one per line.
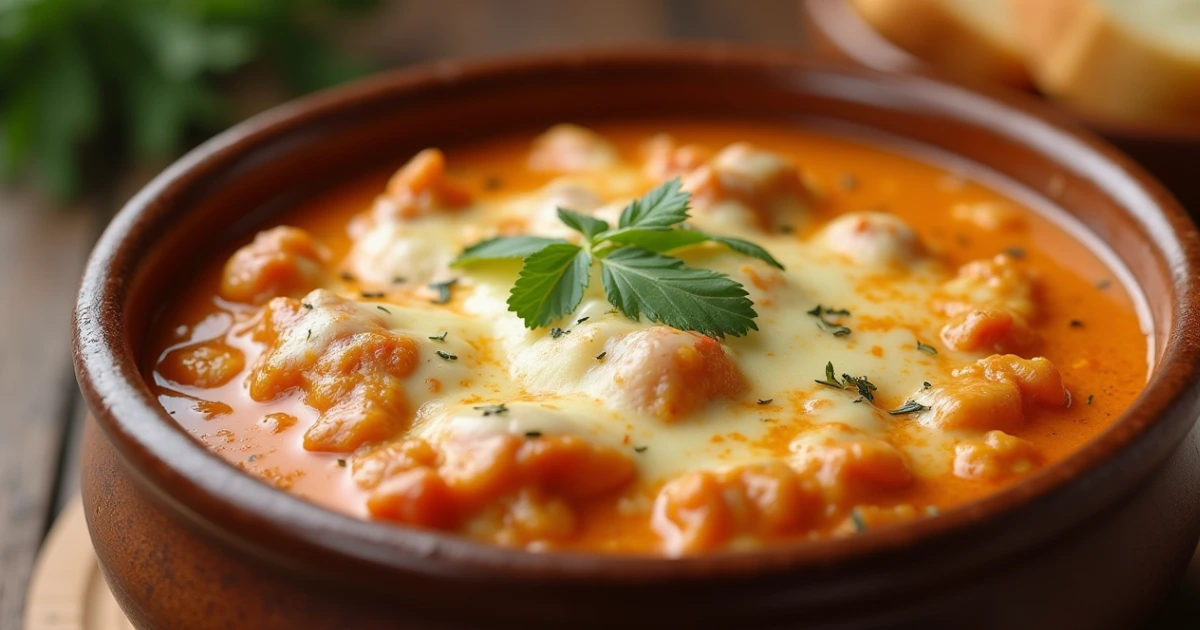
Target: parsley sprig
<point x="639" y="277"/>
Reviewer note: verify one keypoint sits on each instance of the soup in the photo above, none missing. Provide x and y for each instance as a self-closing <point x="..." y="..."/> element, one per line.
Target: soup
<point x="528" y="342"/>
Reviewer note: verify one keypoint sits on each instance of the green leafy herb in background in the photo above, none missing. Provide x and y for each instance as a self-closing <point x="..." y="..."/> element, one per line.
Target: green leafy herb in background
<point x="639" y="278"/>
<point x="129" y="78"/>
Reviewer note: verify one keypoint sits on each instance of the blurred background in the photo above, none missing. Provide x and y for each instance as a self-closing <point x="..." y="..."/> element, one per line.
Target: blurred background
<point x="97" y="96"/>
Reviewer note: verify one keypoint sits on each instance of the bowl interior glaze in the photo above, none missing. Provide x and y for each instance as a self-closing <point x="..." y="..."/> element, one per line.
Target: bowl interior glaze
<point x="230" y="185"/>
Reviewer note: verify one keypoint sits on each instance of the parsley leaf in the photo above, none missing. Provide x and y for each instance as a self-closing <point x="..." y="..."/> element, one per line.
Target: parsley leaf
<point x="667" y="291"/>
<point x="582" y="223"/>
<point x="551" y="284"/>
<point x="638" y="277"/>
<point x="656" y="239"/>
<point x="504" y="247"/>
<point x="746" y="248"/>
<point x="665" y="206"/>
<point x="660" y="239"/>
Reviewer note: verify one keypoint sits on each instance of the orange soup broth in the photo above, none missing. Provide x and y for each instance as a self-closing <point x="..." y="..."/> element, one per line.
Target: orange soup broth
<point x="1089" y="321"/>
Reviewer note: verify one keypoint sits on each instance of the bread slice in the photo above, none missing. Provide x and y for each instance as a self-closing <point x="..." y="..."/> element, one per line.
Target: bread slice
<point x="971" y="38"/>
<point x="1128" y="60"/>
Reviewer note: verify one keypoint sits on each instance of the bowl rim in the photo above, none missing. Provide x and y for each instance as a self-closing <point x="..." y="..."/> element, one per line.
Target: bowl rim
<point x="838" y="23"/>
<point x="184" y="475"/>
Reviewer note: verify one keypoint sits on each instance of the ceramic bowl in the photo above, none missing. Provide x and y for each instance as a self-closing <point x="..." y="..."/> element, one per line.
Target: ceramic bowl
<point x="188" y="541"/>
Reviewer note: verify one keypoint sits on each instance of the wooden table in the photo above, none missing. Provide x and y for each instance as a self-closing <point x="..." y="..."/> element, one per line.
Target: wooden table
<point x="43" y="247"/>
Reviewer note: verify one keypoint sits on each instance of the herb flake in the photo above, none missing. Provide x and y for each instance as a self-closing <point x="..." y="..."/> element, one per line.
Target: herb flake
<point x="834" y="328"/>
<point x="909" y="406"/>
<point x="446" y="355"/>
<point x="856" y="518"/>
<point x="830" y="377"/>
<point x="441" y="337"/>
<point x="491" y="410"/>
<point x="926" y="348"/>
<point x="866" y="389"/>
<point x="443" y="290"/>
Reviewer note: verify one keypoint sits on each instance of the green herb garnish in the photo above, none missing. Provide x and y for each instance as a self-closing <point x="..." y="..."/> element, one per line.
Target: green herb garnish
<point x="926" y="348"/>
<point x="863" y="385"/>
<point x="639" y="277"/>
<point x="446" y="355"/>
<point x="341" y="463"/>
<point x="830" y="377"/>
<point x="909" y="406"/>
<point x="443" y="290"/>
<point x="441" y="337"/>
<point x="557" y="332"/>
<point x="1090" y="398"/>
<point x="492" y="410"/>
<point x="821" y="312"/>
<point x="531" y="434"/>
<point x="600" y="357"/>
<point x="765" y="401"/>
<point x="640" y="449"/>
<point x="860" y="525"/>
<point x="383" y="309"/>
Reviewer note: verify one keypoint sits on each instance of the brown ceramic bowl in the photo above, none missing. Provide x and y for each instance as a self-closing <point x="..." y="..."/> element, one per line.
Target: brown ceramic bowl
<point x="1170" y="152"/>
<point x="189" y="541"/>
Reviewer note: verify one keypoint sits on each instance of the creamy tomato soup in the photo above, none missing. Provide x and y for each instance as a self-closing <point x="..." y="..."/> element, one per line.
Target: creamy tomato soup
<point x="927" y="341"/>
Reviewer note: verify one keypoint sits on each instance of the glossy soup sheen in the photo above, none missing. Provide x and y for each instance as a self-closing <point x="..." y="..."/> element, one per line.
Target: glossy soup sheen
<point x="1016" y="341"/>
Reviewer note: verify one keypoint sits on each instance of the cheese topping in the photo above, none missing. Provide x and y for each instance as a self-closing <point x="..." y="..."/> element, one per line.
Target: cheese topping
<point x="888" y="379"/>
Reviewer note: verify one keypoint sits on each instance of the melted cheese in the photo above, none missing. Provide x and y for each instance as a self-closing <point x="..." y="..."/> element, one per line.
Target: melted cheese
<point x="602" y="376"/>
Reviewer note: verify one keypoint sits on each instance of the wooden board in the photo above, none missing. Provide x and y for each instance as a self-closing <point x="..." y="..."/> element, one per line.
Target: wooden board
<point x="42" y="250"/>
<point x="68" y="592"/>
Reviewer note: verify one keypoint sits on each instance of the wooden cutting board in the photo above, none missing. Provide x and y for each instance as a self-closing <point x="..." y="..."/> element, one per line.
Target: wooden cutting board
<point x="67" y="591"/>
